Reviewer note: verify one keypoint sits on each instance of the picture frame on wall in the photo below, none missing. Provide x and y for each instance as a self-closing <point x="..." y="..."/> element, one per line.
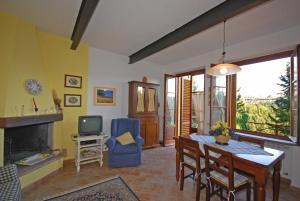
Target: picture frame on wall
<point x="73" y="81"/>
<point x="72" y="100"/>
<point x="104" y="96"/>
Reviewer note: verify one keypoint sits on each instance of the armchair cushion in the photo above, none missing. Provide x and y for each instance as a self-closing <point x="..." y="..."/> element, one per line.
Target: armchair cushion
<point x="10" y="191"/>
<point x="8" y="173"/>
<point x="125" y="138"/>
<point x="125" y="149"/>
<point x="10" y="188"/>
<point x="111" y="142"/>
<point x="139" y="140"/>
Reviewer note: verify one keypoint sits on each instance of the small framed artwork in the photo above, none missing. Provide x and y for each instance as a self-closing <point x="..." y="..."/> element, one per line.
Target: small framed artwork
<point x="72" y="100"/>
<point x="73" y="81"/>
<point x="104" y="96"/>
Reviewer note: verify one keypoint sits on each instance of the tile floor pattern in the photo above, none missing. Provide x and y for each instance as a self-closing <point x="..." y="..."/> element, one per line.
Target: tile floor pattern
<point x="154" y="180"/>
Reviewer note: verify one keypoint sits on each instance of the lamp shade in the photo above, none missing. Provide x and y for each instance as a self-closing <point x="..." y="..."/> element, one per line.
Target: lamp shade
<point x="223" y="69"/>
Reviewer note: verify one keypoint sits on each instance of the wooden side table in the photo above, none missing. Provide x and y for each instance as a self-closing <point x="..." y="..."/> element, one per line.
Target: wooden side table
<point x="97" y="149"/>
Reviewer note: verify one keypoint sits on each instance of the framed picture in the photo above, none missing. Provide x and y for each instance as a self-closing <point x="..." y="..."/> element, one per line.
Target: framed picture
<point x="104" y="96"/>
<point x="72" y="100"/>
<point x="73" y="81"/>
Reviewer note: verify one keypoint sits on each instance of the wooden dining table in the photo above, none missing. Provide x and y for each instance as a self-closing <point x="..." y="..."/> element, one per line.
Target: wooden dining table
<point x="257" y="165"/>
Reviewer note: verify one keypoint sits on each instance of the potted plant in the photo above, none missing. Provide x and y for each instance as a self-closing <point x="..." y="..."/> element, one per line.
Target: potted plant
<point x="221" y="131"/>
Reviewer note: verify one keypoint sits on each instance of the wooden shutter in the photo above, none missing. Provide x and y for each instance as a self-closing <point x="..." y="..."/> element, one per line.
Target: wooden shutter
<point x="186" y="106"/>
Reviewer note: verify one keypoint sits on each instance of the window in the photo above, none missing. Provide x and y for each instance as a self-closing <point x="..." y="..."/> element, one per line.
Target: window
<point x="218" y="99"/>
<point x="263" y="97"/>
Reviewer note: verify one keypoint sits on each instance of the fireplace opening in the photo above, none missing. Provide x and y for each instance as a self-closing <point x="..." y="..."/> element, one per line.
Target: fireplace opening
<point x="25" y="141"/>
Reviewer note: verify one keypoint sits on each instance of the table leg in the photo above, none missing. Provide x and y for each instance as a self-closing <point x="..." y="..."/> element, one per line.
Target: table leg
<point x="276" y="181"/>
<point x="77" y="160"/>
<point x="260" y="185"/>
<point x="177" y="165"/>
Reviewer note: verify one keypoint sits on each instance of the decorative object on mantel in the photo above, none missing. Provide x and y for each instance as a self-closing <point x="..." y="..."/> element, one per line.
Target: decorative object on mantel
<point x="223" y="68"/>
<point x="72" y="100"/>
<point x="33" y="87"/>
<point x="222" y="132"/>
<point x="36" y="109"/>
<point x="104" y="96"/>
<point x="57" y="101"/>
<point x="145" y="79"/>
<point x="73" y="81"/>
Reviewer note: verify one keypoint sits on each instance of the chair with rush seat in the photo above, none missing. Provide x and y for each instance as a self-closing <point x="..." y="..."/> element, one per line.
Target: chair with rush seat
<point x="190" y="157"/>
<point x="219" y="172"/>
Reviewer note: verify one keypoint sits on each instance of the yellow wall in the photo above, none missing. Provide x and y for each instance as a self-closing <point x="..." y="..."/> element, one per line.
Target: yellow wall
<point x="22" y="61"/>
<point x="60" y="60"/>
<point x="1" y="145"/>
<point x="40" y="173"/>
<point x="28" y="53"/>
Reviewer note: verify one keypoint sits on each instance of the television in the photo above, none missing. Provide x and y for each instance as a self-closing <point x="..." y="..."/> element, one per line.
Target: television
<point x="90" y="125"/>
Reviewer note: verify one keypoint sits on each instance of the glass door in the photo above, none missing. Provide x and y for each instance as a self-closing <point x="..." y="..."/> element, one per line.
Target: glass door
<point x="197" y="113"/>
<point x="169" y="110"/>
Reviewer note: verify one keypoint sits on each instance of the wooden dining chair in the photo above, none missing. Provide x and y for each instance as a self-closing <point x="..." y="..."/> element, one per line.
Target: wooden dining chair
<point x="219" y="172"/>
<point x="252" y="140"/>
<point x="191" y="157"/>
<point x="255" y="141"/>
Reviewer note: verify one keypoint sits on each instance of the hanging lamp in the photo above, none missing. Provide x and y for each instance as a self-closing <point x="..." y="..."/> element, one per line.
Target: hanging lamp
<point x="223" y="68"/>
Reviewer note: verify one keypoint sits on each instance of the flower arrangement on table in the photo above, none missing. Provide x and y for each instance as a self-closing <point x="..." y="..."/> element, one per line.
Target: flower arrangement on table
<point x="221" y="131"/>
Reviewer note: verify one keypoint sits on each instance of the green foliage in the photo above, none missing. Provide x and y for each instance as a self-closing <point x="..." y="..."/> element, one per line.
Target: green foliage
<point x="281" y="106"/>
<point x="242" y="116"/>
<point x="266" y="116"/>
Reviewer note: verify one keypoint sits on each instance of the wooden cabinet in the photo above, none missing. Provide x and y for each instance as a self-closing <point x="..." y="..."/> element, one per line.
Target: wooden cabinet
<point x="143" y="105"/>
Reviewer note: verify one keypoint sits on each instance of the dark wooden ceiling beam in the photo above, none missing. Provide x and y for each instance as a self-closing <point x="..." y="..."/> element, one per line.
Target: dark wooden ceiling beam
<point x="218" y="14"/>
<point x="86" y="11"/>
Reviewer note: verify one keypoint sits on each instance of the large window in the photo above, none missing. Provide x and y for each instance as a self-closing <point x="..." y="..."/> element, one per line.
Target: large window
<point x="218" y="99"/>
<point x="263" y="97"/>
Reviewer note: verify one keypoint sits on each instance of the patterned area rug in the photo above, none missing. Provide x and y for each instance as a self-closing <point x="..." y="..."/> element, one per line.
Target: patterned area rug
<point x="111" y="189"/>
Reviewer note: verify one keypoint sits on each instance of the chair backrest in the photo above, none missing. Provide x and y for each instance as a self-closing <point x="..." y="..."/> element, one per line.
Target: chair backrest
<point x="189" y="148"/>
<point x="251" y="140"/>
<point x="122" y="125"/>
<point x="220" y="161"/>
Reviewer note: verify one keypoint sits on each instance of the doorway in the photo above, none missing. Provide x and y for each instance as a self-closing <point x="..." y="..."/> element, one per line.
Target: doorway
<point x="184" y="105"/>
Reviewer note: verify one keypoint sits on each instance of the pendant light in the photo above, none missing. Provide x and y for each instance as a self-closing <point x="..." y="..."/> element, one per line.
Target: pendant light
<point x="223" y="68"/>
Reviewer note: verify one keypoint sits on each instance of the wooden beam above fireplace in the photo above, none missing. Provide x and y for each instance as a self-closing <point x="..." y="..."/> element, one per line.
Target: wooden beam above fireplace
<point x="10" y="122"/>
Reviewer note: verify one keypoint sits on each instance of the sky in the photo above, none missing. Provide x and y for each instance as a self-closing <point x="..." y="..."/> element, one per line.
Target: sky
<point x="260" y="80"/>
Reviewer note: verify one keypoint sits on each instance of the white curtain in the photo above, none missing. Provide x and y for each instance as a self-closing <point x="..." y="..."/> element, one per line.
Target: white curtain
<point x="198" y="104"/>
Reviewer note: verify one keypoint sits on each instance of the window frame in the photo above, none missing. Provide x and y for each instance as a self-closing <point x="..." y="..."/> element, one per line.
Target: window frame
<point x="231" y="88"/>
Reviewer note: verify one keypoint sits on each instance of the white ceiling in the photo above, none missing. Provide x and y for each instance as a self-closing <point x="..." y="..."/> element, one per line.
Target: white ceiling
<point x="125" y="26"/>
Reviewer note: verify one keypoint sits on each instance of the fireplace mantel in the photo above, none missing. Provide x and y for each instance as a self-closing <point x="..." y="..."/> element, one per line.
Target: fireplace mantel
<point x="10" y="122"/>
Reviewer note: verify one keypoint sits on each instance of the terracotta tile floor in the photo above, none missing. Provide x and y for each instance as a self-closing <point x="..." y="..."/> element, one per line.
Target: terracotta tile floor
<point x="154" y="180"/>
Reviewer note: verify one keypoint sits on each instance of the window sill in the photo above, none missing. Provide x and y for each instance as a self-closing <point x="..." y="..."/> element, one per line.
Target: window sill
<point x="293" y="142"/>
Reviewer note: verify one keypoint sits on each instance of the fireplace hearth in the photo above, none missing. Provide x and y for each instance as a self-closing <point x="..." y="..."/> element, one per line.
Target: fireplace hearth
<point x="25" y="141"/>
<point x="26" y="136"/>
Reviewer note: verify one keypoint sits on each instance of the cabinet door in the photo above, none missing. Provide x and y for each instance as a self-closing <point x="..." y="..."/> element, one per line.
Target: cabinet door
<point x="140" y="106"/>
<point x="152" y="105"/>
<point x="152" y="129"/>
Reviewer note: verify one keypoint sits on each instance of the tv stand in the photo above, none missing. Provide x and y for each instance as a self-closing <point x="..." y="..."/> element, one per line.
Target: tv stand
<point x="88" y="152"/>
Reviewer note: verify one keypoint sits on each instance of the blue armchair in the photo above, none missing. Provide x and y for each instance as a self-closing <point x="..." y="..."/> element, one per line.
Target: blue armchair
<point x="124" y="155"/>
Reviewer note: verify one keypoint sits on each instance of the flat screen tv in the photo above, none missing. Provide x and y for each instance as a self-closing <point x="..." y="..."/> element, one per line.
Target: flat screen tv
<point x="90" y="125"/>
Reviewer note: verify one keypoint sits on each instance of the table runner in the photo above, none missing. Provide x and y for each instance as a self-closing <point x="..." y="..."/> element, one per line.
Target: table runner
<point x="234" y="147"/>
